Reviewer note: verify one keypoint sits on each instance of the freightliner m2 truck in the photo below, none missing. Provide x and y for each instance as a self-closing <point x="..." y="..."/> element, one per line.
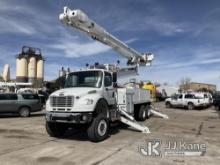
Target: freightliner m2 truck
<point x="92" y="97"/>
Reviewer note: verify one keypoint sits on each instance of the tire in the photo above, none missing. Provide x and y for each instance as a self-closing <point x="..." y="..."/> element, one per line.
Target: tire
<point x="142" y="114"/>
<point x="190" y="106"/>
<point x="168" y="105"/>
<point x="217" y="108"/>
<point x="24" y="112"/>
<point x="56" y="129"/>
<point x="148" y="114"/>
<point x="98" y="129"/>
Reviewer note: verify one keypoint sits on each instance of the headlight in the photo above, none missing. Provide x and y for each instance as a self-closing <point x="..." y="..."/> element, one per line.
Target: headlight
<point x="89" y="101"/>
<point x="86" y="101"/>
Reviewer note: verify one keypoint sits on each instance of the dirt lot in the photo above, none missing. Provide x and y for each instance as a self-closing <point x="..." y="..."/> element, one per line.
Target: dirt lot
<point x="24" y="141"/>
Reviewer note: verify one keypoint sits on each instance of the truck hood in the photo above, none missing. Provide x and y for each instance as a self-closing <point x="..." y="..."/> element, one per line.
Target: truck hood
<point x="74" y="91"/>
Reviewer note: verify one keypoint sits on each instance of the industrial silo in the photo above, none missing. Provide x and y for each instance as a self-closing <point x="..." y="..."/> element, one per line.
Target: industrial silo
<point x="21" y="70"/>
<point x="6" y="73"/>
<point x="32" y="69"/>
<point x="30" y="66"/>
<point x="62" y="72"/>
<point x="40" y="71"/>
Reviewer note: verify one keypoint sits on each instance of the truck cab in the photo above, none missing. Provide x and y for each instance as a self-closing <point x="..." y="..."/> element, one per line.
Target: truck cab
<point x="87" y="94"/>
<point x="82" y="91"/>
<point x="90" y="98"/>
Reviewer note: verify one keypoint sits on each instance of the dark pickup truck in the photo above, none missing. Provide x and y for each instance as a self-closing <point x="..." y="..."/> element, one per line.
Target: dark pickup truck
<point x="216" y="102"/>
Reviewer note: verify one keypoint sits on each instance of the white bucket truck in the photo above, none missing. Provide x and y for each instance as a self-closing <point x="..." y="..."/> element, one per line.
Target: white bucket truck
<point x="91" y="97"/>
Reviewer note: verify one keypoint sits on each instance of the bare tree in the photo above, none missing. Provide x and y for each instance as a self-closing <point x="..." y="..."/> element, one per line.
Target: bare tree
<point x="184" y="83"/>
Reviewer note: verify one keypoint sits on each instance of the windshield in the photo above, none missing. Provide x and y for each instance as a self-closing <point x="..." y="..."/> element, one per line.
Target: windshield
<point x="84" y="79"/>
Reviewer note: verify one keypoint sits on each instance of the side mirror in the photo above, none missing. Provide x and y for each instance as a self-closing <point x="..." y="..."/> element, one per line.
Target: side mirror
<point x="114" y="77"/>
<point x="115" y="85"/>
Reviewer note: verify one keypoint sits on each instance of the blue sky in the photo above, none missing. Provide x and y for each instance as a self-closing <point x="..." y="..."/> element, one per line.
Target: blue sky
<point x="183" y="35"/>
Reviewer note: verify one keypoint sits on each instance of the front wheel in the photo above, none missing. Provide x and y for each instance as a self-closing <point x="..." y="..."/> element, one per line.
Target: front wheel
<point x="168" y="105"/>
<point x="98" y="129"/>
<point x="190" y="106"/>
<point x="217" y="107"/>
<point x="24" y="112"/>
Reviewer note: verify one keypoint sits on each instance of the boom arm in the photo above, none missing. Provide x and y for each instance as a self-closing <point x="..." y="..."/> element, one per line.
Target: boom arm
<point x="79" y="20"/>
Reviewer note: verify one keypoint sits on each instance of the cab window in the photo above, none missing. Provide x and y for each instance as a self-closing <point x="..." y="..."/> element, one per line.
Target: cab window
<point x="8" y="97"/>
<point x="13" y="97"/>
<point x="107" y="79"/>
<point x="30" y="96"/>
<point x="189" y="96"/>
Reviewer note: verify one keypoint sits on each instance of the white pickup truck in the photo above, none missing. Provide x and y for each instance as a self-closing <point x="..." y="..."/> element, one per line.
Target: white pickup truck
<point x="206" y="98"/>
<point x="188" y="100"/>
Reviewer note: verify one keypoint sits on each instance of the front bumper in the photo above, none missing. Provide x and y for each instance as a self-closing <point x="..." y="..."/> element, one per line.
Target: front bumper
<point x="69" y="117"/>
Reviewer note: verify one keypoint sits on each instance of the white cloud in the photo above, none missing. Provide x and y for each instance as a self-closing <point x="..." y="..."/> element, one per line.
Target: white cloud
<point x="25" y="19"/>
<point x="172" y="76"/>
<point x="156" y="19"/>
<point x="75" y="48"/>
<point x="172" y="64"/>
<point x="15" y="26"/>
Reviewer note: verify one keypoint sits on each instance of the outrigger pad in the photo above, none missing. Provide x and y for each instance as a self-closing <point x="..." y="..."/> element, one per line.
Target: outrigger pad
<point x="159" y="114"/>
<point x="135" y="125"/>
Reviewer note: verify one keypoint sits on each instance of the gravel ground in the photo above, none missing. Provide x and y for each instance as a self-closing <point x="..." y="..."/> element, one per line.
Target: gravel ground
<point x="24" y="141"/>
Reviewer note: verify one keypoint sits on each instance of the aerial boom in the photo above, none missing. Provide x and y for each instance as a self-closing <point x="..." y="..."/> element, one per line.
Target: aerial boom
<point x="79" y="20"/>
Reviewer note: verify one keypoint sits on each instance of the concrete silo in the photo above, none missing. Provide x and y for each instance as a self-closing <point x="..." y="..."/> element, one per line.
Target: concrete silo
<point x="32" y="69"/>
<point x="40" y="70"/>
<point x="30" y="66"/>
<point x="6" y="73"/>
<point x="62" y="72"/>
<point x="21" y="70"/>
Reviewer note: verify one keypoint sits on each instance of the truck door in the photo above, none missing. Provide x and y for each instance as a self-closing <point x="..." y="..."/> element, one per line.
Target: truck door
<point x="180" y="100"/>
<point x="187" y="98"/>
<point x="109" y="91"/>
<point x="13" y="102"/>
<point x="8" y="102"/>
<point x="3" y="106"/>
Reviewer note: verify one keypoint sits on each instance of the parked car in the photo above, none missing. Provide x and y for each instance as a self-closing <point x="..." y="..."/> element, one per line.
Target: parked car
<point x="187" y="100"/>
<point x="23" y="104"/>
<point x="216" y="102"/>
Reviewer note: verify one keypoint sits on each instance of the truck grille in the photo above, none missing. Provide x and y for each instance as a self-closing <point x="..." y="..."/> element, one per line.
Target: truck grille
<point x="61" y="101"/>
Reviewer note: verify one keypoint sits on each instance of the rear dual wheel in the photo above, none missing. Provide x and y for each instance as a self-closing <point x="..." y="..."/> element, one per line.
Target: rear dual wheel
<point x="144" y="112"/>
